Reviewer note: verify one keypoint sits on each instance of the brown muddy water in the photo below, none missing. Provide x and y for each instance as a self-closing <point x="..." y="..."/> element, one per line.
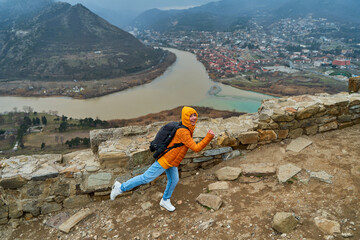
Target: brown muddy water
<point x="184" y="83"/>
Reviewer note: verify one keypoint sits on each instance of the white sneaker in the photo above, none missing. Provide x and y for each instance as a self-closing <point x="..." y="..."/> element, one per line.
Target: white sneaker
<point x="116" y="191"/>
<point x="167" y="205"/>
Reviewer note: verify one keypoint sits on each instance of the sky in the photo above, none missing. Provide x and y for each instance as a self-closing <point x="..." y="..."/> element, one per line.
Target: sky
<point x="122" y="12"/>
<point x="140" y="5"/>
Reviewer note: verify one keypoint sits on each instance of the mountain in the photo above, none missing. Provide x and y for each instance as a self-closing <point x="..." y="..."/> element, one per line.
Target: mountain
<point x="235" y="14"/>
<point x="59" y="41"/>
<point x="335" y="10"/>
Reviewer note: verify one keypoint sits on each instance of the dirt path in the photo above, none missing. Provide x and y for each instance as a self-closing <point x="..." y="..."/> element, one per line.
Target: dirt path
<point x="249" y="204"/>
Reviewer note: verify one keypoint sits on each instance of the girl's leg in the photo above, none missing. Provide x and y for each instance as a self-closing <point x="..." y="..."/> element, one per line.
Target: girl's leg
<point x="172" y="179"/>
<point x="153" y="172"/>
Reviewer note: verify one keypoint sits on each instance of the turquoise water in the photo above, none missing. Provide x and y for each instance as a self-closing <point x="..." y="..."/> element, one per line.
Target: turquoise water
<point x="184" y="83"/>
<point x="232" y="103"/>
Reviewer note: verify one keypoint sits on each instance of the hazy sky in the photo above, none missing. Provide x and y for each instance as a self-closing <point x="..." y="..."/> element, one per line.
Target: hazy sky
<point x="139" y="5"/>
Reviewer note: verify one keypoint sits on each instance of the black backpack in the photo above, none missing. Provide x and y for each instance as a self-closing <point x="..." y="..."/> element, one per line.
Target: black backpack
<point x="163" y="139"/>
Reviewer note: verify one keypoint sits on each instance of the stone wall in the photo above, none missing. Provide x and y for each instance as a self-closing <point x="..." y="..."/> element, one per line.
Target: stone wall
<point x="40" y="184"/>
<point x="354" y="85"/>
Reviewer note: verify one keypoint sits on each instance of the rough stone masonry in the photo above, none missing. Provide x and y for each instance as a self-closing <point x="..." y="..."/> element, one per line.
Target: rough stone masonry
<point x="41" y="184"/>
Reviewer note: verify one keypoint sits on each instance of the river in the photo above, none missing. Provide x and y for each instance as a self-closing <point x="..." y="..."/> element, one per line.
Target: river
<point x="184" y="83"/>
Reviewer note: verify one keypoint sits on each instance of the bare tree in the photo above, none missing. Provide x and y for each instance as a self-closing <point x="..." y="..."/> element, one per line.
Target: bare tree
<point x="28" y="109"/>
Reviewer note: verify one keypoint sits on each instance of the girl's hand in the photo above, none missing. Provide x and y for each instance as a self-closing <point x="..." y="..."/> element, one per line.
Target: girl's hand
<point x="211" y="132"/>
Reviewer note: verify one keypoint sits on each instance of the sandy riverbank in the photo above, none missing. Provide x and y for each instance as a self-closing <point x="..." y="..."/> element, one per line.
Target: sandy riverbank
<point x="83" y="89"/>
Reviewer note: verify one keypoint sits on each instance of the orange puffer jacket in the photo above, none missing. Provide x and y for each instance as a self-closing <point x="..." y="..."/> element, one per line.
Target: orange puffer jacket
<point x="182" y="135"/>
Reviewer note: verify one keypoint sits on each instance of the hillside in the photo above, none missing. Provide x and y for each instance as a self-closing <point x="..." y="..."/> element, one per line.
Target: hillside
<point x="228" y="15"/>
<point x="250" y="202"/>
<point x="59" y="41"/>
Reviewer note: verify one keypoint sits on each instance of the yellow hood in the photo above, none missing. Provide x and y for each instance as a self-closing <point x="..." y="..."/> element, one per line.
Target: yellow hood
<point x="185" y="117"/>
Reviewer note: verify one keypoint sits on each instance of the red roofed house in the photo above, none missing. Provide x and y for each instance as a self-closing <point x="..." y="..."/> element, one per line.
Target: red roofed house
<point x="341" y="63"/>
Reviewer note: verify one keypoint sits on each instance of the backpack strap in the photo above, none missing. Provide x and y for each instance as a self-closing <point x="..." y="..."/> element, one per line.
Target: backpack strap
<point x="168" y="149"/>
<point x="176" y="145"/>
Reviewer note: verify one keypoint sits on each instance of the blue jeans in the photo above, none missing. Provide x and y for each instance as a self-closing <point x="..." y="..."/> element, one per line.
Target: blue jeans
<point x="151" y="174"/>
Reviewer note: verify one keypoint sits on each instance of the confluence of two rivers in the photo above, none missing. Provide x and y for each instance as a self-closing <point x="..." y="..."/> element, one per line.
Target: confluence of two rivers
<point x="184" y="83"/>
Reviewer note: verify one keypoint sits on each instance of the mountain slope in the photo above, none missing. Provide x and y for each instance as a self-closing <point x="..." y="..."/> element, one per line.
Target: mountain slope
<point x="64" y="42"/>
<point x="222" y="15"/>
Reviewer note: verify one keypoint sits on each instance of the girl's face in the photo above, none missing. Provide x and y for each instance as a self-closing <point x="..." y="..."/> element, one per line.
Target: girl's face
<point x="193" y="118"/>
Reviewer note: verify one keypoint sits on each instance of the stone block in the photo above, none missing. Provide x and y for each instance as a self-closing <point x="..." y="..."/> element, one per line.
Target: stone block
<point x="134" y="130"/>
<point x="354" y="109"/>
<point x="113" y="160"/>
<point x="289" y="125"/>
<point x="97" y="181"/>
<point x="356" y="121"/>
<point x="280" y="115"/>
<point x="225" y="140"/>
<point x="325" y="119"/>
<point x="13" y="183"/>
<point x="344" y="118"/>
<point x="340" y="101"/>
<point x="49" y="207"/>
<point x="249" y="137"/>
<point x="230" y="155"/>
<point x="45" y="172"/>
<point x="202" y="159"/>
<point x="298" y="144"/>
<point x="187" y="174"/>
<point x="210" y="164"/>
<point x="258" y="169"/>
<point x="75" y="219"/>
<point x="282" y="134"/>
<point x="80" y="157"/>
<point x="4" y="221"/>
<point x="295" y="133"/>
<point x="327" y="226"/>
<point x="218" y="151"/>
<point x="61" y="189"/>
<point x="307" y="112"/>
<point x="76" y="201"/>
<point x="31" y="206"/>
<point x="334" y="110"/>
<point x="354" y="100"/>
<point x="140" y="158"/>
<point x="311" y="130"/>
<point x="190" y="167"/>
<point x="35" y="190"/>
<point x="284" y="222"/>
<point x="345" y="125"/>
<point x="69" y="172"/>
<point x="355" y="116"/>
<point x="57" y="220"/>
<point x="228" y="173"/>
<point x="287" y="171"/>
<point x="321" y="176"/>
<point x="15" y="210"/>
<point x="251" y="146"/>
<point x="218" y="186"/>
<point x="267" y="135"/>
<point x="4" y="211"/>
<point x="354" y="84"/>
<point x="99" y="136"/>
<point x="328" y="126"/>
<point x="210" y="201"/>
<point x="307" y="122"/>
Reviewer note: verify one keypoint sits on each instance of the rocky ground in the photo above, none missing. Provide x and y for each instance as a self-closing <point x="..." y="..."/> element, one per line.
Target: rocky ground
<point x="325" y="208"/>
